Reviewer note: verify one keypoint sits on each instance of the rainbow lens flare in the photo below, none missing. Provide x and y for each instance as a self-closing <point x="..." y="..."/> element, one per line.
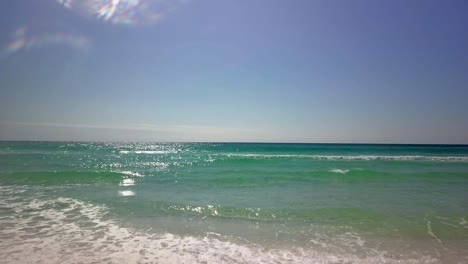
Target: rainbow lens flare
<point x="21" y="39"/>
<point x="128" y="12"/>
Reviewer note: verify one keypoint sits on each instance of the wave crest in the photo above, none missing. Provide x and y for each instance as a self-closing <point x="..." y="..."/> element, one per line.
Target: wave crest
<point x="353" y="157"/>
<point x="72" y="231"/>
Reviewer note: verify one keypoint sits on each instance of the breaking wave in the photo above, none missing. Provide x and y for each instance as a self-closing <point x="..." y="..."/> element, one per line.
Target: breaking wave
<point x="352" y="158"/>
<point x="58" y="230"/>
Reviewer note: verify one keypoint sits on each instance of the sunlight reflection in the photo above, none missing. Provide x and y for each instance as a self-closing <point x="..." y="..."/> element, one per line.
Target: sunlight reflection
<point x="121" y="11"/>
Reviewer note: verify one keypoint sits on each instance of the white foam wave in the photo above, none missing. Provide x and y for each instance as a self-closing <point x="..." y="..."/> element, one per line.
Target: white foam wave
<point x="429" y="230"/>
<point x="131" y="173"/>
<point x="65" y="230"/>
<point x="153" y="152"/>
<point x="126" y="193"/>
<point x="149" y="152"/>
<point x="355" y="157"/>
<point x="127" y="182"/>
<point x="155" y="164"/>
<point x="339" y="171"/>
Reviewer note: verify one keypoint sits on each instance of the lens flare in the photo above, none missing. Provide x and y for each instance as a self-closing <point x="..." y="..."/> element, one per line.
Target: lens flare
<point x="22" y="40"/>
<point x="122" y="11"/>
<point x="107" y="11"/>
<point x="19" y="40"/>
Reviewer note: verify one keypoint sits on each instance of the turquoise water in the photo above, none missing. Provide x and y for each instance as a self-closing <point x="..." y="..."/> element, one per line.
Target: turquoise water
<point x="232" y="203"/>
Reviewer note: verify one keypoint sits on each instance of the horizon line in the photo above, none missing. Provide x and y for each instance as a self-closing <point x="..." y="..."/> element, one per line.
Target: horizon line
<point x="237" y="142"/>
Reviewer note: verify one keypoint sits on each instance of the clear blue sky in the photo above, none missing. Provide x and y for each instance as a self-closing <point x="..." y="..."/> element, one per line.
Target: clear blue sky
<point x="233" y="70"/>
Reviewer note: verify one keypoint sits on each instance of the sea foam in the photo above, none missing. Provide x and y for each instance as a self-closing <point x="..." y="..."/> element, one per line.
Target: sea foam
<point x="66" y="230"/>
<point x="352" y="157"/>
<point x="339" y="171"/>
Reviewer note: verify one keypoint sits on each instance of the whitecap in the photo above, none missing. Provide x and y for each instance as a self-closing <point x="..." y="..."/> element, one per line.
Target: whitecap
<point x="148" y="152"/>
<point x="354" y="157"/>
<point x="131" y="173"/>
<point x="127" y="182"/>
<point x="126" y="193"/>
<point x="154" y="152"/>
<point x="339" y="171"/>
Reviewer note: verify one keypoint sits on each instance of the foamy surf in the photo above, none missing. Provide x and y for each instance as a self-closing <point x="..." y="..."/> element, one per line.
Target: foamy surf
<point x="66" y="230"/>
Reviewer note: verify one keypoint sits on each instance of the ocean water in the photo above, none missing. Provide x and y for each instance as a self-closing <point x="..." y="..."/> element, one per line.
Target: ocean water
<point x="69" y="202"/>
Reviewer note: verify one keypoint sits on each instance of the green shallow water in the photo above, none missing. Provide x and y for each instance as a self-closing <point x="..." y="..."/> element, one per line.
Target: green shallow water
<point x="317" y="203"/>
